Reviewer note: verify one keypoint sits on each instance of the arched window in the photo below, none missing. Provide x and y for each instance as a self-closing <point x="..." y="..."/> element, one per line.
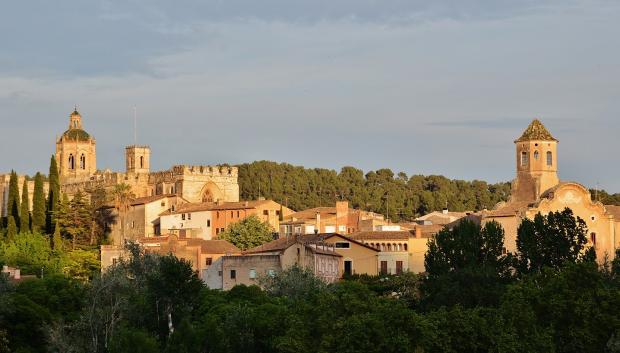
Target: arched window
<point x="549" y="158"/>
<point x="141" y="162"/>
<point x="593" y="239"/>
<point x="83" y="161"/>
<point x="524" y="159"/>
<point x="71" y="162"/>
<point x="536" y="155"/>
<point x="405" y="247"/>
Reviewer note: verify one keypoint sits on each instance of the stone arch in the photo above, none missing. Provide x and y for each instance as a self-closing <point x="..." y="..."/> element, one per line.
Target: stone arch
<point x="211" y="193"/>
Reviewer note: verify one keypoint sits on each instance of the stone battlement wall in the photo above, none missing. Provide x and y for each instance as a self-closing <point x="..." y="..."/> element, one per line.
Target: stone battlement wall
<point x="198" y="170"/>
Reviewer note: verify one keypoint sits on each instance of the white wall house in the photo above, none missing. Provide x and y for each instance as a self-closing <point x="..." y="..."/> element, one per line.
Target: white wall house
<point x="195" y="224"/>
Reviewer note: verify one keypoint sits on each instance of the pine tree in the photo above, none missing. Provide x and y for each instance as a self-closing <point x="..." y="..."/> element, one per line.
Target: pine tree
<point x="53" y="197"/>
<point x="13" y="202"/>
<point x="74" y="218"/>
<point x="38" y="204"/>
<point x="11" y="232"/>
<point x="24" y="219"/>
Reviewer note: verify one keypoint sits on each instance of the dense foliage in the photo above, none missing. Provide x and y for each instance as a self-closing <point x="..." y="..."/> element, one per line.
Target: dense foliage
<point x="248" y="233"/>
<point x="399" y="196"/>
<point x="151" y="303"/>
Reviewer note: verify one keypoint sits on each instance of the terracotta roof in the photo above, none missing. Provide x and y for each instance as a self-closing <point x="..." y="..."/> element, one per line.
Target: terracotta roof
<point x="149" y="199"/>
<point x="310" y="213"/>
<point x="214" y="246"/>
<point x="319" y="237"/>
<point x="614" y="211"/>
<point x="212" y="206"/>
<point x="510" y="209"/>
<point x="536" y="131"/>
<point x="380" y="235"/>
<point x="432" y="229"/>
<point x="282" y="244"/>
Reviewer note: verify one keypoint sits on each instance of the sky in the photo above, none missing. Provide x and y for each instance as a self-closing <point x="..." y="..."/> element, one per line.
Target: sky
<point x="423" y="87"/>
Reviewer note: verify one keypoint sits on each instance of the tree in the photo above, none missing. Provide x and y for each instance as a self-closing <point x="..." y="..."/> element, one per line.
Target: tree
<point x="24" y="219"/>
<point x="13" y="206"/>
<point x="57" y="238"/>
<point x="74" y="218"/>
<point x="122" y="199"/>
<point x="11" y="229"/>
<point x="53" y="197"/>
<point x="465" y="265"/>
<point x="248" y="233"/>
<point x="550" y="241"/>
<point x="38" y="204"/>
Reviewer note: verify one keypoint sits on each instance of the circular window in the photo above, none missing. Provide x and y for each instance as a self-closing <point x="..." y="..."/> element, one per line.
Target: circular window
<point x="592" y="218"/>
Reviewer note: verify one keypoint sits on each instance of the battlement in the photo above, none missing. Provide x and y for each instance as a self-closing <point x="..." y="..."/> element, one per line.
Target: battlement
<point x="205" y="170"/>
<point x="137" y="147"/>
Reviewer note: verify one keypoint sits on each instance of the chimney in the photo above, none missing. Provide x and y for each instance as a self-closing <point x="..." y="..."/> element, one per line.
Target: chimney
<point x="445" y="211"/>
<point x="418" y="232"/>
<point x="318" y="221"/>
<point x="342" y="213"/>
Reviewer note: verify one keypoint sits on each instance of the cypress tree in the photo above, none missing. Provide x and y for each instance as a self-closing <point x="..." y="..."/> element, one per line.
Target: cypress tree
<point x="24" y="219"/>
<point x="13" y="202"/>
<point x="53" y="197"/>
<point x="38" y="204"/>
<point x="57" y="238"/>
<point x="11" y="229"/>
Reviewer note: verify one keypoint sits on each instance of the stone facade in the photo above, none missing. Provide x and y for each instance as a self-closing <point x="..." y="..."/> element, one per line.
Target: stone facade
<point x="537" y="189"/>
<point x="4" y="191"/>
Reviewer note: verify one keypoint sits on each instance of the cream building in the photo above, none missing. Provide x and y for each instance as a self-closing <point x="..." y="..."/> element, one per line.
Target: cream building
<point x="537" y="189"/>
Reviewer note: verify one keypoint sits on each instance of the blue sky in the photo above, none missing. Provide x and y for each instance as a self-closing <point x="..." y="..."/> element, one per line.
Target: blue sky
<point x="424" y="87"/>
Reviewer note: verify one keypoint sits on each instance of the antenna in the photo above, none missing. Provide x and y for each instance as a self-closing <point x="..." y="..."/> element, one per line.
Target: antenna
<point x="135" y="126"/>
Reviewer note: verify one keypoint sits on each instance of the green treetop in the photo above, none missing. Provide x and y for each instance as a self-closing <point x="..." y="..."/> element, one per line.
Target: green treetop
<point x="38" y="204"/>
<point x="24" y="219"/>
<point x="248" y="233"/>
<point x="11" y="231"/>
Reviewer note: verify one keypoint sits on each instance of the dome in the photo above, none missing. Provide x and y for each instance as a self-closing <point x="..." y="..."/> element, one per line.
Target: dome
<point x="76" y="135"/>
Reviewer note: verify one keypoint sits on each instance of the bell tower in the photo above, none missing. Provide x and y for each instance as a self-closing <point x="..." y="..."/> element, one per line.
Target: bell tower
<point x="76" y="151"/>
<point x="138" y="159"/>
<point x="537" y="163"/>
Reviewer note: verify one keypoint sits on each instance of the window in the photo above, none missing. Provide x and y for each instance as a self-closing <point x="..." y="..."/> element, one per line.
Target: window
<point x="524" y="159"/>
<point x="271" y="272"/>
<point x="384" y="267"/>
<point x="71" y="162"/>
<point x="348" y="267"/>
<point x="219" y="273"/>
<point x="252" y="273"/>
<point x="189" y="216"/>
<point x="217" y="231"/>
<point x="277" y="212"/>
<point x="237" y="214"/>
<point x="399" y="267"/>
<point x="265" y="212"/>
<point x="208" y="223"/>
<point x="343" y="245"/>
<point x="208" y="261"/>
<point x="183" y="216"/>
<point x="141" y="162"/>
<point x="536" y="155"/>
<point x="549" y="158"/>
<point x="593" y="239"/>
<point x="83" y="162"/>
<point x="163" y="203"/>
<point x="233" y="274"/>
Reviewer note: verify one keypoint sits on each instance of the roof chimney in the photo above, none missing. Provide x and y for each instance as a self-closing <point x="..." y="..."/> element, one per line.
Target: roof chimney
<point x="418" y="232"/>
<point x="445" y="211"/>
<point x="318" y="221"/>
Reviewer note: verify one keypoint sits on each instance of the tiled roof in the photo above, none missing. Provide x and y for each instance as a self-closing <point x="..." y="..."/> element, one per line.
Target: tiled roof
<point x="536" y="131"/>
<point x="614" y="211"/>
<point x="76" y="135"/>
<point x="149" y="199"/>
<point x="509" y="209"/>
<point x="314" y="238"/>
<point x="380" y="235"/>
<point x="212" y="206"/>
<point x="215" y="246"/>
<point x="282" y="244"/>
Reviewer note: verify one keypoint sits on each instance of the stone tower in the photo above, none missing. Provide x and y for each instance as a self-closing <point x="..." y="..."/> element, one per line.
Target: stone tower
<point x="537" y="167"/>
<point x="76" y="151"/>
<point x="138" y="159"/>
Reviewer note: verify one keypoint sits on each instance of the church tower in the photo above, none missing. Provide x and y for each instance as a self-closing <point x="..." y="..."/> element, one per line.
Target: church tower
<point x="138" y="159"/>
<point x="537" y="163"/>
<point x="76" y="151"/>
